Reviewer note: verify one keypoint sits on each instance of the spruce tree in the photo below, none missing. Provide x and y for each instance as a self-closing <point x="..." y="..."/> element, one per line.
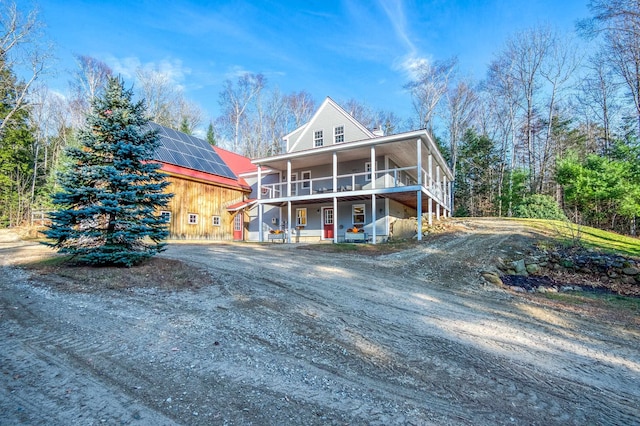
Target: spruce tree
<point x="112" y="193"/>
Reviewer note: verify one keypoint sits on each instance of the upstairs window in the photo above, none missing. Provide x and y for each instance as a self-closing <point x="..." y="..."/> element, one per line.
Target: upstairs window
<point x="318" y="138"/>
<point x="338" y="134"/>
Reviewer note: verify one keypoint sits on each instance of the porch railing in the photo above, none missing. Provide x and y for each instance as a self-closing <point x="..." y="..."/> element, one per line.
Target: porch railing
<point x="389" y="178"/>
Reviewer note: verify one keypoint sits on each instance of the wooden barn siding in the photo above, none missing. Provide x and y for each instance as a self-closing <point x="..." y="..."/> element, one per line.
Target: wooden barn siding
<point x="205" y="200"/>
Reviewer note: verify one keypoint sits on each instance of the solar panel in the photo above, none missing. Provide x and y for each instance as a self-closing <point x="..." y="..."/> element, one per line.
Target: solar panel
<point x="188" y="151"/>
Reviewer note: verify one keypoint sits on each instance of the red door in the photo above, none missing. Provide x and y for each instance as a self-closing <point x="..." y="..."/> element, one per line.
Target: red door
<point x="238" y="225"/>
<point x="327" y="222"/>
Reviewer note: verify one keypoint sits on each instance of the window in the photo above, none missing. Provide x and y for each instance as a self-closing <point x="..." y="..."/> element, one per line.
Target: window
<point x="318" y="138"/>
<point x="193" y="219"/>
<point x="358" y="214"/>
<point x="301" y="217"/>
<point x="306" y="179"/>
<point x="165" y="216"/>
<point x="338" y="134"/>
<point x="367" y="168"/>
<point x="215" y="220"/>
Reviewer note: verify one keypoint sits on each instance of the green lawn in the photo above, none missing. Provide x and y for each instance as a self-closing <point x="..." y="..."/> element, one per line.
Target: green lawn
<point x="569" y="233"/>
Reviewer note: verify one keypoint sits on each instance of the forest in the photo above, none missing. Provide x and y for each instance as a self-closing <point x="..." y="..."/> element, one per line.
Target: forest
<point x="551" y="131"/>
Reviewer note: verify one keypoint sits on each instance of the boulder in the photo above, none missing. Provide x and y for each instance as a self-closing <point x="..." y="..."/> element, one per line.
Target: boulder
<point x="492" y="278"/>
<point x="631" y="270"/>
<point x="533" y="268"/>
<point x="519" y="267"/>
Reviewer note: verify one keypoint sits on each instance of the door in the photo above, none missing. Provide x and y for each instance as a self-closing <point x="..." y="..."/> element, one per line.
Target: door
<point x="327" y="222"/>
<point x="238" y="225"/>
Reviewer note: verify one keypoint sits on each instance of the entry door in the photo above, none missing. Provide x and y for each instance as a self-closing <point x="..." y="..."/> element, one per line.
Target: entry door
<point x="327" y="222"/>
<point x="238" y="225"/>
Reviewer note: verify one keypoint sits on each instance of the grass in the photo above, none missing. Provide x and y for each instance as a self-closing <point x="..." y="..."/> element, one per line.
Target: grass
<point x="572" y="234"/>
<point x="603" y="300"/>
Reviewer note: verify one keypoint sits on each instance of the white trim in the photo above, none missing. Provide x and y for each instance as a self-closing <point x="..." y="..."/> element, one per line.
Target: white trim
<point x="215" y="222"/>
<point x="335" y="134"/>
<point x="166" y="213"/>
<point x="318" y="136"/>
<point x="306" y="216"/>
<point x="364" y="214"/>
<point x="192" y="216"/>
<point x="323" y="210"/>
<point x="306" y="181"/>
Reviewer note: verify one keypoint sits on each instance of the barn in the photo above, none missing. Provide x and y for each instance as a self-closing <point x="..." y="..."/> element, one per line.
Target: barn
<point x="204" y="189"/>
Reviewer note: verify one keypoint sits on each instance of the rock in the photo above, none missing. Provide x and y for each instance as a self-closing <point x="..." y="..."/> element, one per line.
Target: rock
<point x="541" y="289"/>
<point x="517" y="289"/>
<point x="533" y="268"/>
<point x="567" y="288"/>
<point x="631" y="270"/>
<point x="612" y="274"/>
<point x="491" y="277"/>
<point x="519" y="267"/>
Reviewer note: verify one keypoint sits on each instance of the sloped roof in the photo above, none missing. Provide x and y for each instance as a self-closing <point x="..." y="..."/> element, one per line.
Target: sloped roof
<point x="184" y="150"/>
<point x="188" y="156"/>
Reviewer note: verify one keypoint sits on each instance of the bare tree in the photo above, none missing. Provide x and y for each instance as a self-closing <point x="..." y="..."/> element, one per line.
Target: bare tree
<point x="429" y="88"/>
<point x="300" y="107"/>
<point x="618" y="21"/>
<point x="235" y="99"/>
<point x="89" y="80"/>
<point x="22" y="48"/>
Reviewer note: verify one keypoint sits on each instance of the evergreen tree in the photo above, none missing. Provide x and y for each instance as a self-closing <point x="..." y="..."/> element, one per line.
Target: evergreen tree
<point x="211" y="136"/>
<point x="112" y="192"/>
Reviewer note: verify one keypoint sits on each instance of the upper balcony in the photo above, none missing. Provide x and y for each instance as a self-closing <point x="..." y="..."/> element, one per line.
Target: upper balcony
<point x="398" y="179"/>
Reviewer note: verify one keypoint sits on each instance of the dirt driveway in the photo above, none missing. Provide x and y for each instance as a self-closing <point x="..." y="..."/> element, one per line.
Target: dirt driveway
<point x="281" y="335"/>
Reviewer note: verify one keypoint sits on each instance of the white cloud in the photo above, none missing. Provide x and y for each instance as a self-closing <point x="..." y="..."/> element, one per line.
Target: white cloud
<point x="410" y="65"/>
<point x="172" y="69"/>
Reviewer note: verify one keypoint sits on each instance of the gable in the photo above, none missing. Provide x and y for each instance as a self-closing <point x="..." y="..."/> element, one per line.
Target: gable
<point x="327" y="119"/>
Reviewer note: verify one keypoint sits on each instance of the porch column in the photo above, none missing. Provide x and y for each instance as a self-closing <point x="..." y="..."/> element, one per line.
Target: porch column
<point x="445" y="196"/>
<point x="335" y="220"/>
<point x="438" y="211"/>
<point x="260" y="206"/>
<point x="289" y="179"/>
<point x="419" y="164"/>
<point x="430" y="211"/>
<point x="335" y="172"/>
<point x="289" y="221"/>
<point x="419" y="196"/>
<point x="373" y="167"/>
<point x="374" y="231"/>
<point x="430" y="170"/>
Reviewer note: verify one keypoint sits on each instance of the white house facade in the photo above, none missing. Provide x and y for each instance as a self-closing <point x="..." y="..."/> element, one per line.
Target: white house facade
<point x="336" y="175"/>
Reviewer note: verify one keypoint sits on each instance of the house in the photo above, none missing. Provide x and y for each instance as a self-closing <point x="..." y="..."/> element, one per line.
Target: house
<point x="203" y="186"/>
<point x="337" y="175"/>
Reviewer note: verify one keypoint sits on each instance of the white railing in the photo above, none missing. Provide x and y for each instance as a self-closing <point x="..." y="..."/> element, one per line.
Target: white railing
<point x="389" y="178"/>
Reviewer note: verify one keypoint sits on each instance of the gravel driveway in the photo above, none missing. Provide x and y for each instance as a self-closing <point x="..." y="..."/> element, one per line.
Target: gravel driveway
<point x="282" y="336"/>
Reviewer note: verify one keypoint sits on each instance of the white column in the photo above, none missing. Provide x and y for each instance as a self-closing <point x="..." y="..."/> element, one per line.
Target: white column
<point x="335" y="172"/>
<point x="335" y="220"/>
<point x="374" y="232"/>
<point x="260" y="206"/>
<point x="430" y="164"/>
<point x="419" y="197"/>
<point x="430" y="212"/>
<point x="288" y="178"/>
<point x="419" y="164"/>
<point x="373" y="167"/>
<point x="289" y="221"/>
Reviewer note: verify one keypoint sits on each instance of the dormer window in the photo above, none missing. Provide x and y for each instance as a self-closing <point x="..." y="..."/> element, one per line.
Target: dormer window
<point x="338" y="134"/>
<point x="318" y="138"/>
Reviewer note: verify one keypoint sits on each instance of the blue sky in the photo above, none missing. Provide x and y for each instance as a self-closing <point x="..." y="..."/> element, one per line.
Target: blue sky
<point x="343" y="49"/>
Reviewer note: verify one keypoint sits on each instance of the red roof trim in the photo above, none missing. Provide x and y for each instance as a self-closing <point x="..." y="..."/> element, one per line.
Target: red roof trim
<point x="208" y="177"/>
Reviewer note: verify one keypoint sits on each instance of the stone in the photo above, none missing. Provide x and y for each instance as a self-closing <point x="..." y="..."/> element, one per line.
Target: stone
<point x="533" y="268"/>
<point x="541" y="289"/>
<point x="491" y="277"/>
<point x="519" y="267"/>
<point x="631" y="270"/>
<point x="517" y="289"/>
